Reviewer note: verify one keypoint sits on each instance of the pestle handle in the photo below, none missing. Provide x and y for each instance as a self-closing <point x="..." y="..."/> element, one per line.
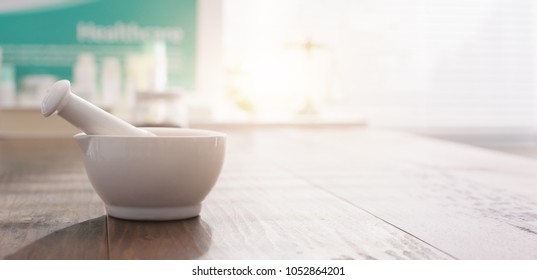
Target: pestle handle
<point x="84" y="115"/>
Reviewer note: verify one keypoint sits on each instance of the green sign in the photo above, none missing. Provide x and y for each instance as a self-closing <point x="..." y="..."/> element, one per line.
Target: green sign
<point x="56" y="38"/>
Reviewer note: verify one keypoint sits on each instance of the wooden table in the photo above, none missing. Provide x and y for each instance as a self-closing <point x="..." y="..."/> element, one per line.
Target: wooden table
<point x="286" y="193"/>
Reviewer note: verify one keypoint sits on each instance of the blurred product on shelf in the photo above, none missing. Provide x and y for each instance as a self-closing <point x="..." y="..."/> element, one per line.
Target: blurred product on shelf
<point x="32" y="90"/>
<point x="85" y="76"/>
<point x="110" y="81"/>
<point x="165" y="108"/>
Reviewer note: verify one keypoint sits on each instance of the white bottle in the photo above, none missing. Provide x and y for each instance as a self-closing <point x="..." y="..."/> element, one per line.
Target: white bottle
<point x="159" y="67"/>
<point x="85" y="77"/>
<point x="110" y="82"/>
<point x="7" y="86"/>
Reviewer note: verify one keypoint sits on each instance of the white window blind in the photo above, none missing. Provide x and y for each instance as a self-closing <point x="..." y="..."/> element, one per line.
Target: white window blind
<point x="409" y="63"/>
<point x="470" y="65"/>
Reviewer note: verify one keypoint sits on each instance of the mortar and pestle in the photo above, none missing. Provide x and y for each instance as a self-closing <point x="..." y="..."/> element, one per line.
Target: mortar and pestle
<point x="141" y="173"/>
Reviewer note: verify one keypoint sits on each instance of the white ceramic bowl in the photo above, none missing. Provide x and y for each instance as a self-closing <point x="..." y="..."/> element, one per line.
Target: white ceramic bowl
<point x="154" y="178"/>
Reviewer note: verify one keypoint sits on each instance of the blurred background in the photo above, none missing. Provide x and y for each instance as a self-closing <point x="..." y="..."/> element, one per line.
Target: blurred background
<point x="458" y="70"/>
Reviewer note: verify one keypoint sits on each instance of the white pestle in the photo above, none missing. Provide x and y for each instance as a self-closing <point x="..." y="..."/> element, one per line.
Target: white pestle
<point x="84" y="115"/>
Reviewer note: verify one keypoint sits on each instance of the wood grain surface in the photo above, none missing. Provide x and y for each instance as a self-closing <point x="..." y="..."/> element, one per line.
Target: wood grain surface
<point x="469" y="202"/>
<point x="48" y="209"/>
<point x="286" y="193"/>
